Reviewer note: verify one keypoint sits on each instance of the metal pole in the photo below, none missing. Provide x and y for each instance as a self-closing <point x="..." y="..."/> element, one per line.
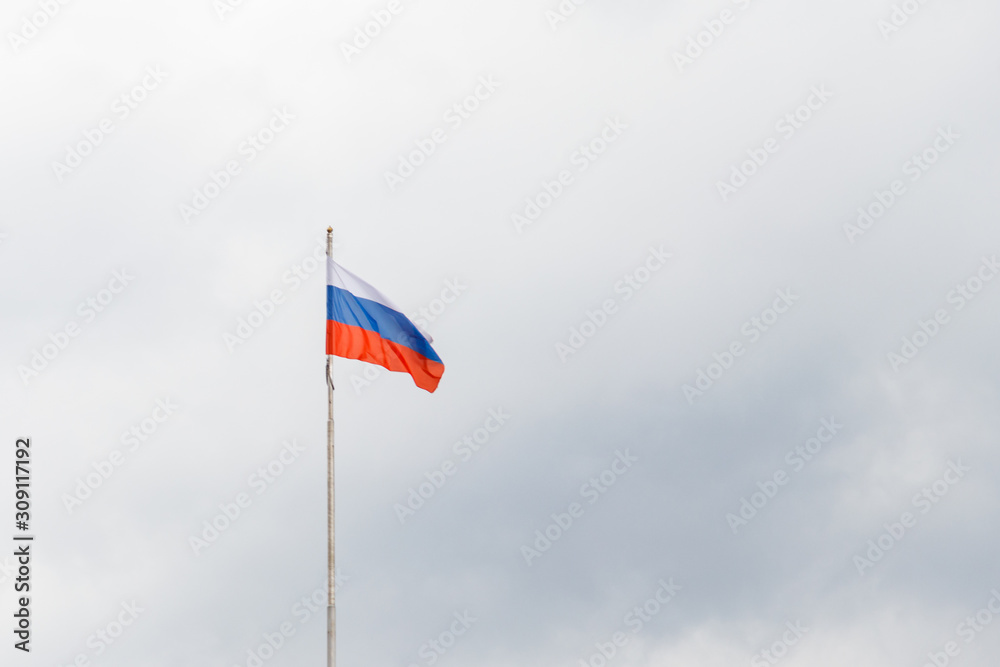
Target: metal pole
<point x="331" y="609"/>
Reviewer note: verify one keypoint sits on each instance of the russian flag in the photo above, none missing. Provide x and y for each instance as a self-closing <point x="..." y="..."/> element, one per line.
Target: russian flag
<point x="361" y="323"/>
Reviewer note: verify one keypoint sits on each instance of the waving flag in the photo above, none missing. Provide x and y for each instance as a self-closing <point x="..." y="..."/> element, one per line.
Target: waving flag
<point x="361" y="323"/>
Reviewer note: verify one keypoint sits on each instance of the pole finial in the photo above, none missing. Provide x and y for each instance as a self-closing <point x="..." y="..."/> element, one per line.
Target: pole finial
<point x="329" y="230"/>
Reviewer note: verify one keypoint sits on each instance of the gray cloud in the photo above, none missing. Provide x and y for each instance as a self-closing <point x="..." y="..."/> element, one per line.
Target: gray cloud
<point x="623" y="389"/>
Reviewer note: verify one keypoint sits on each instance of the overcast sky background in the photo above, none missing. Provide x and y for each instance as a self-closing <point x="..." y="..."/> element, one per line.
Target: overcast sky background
<point x="655" y="186"/>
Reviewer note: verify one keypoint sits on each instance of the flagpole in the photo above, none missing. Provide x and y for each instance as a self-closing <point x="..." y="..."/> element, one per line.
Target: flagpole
<point x="331" y="609"/>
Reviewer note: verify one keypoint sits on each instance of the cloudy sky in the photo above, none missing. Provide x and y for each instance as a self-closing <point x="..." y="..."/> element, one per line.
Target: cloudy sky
<point x="713" y="283"/>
